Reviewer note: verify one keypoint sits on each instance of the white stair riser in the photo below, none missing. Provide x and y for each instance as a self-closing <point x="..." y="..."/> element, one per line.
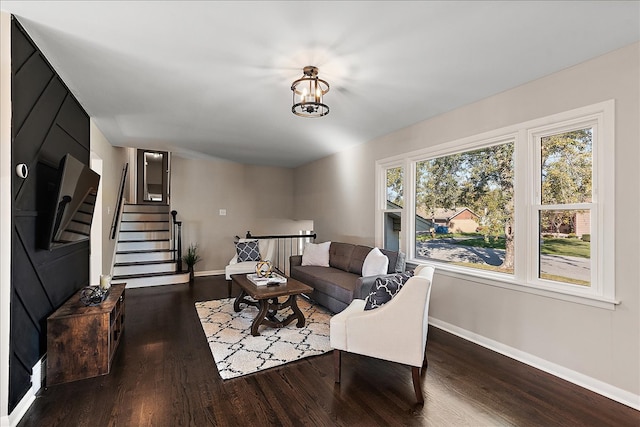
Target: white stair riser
<point x="142" y="282"/>
<point x="123" y="270"/>
<point x="143" y="246"/>
<point x="135" y="226"/>
<point x="146" y="208"/>
<point x="146" y="228"/>
<point x="144" y="217"/>
<point x="128" y="236"/>
<point x="147" y="256"/>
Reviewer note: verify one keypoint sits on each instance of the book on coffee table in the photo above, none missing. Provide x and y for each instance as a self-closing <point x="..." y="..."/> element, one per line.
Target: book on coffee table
<point x="272" y="279"/>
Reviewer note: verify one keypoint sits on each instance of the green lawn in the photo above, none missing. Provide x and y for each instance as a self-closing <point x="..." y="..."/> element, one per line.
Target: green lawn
<point x="568" y="247"/>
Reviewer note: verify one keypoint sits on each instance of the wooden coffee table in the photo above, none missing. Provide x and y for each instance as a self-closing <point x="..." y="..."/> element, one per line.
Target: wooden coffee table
<point x="266" y="299"/>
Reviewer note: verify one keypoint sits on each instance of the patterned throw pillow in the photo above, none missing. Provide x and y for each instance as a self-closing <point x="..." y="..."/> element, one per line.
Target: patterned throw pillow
<point x="385" y="288"/>
<point x="248" y="251"/>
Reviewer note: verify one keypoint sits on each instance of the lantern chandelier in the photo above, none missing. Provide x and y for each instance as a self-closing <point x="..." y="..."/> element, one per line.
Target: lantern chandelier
<point x="307" y="94"/>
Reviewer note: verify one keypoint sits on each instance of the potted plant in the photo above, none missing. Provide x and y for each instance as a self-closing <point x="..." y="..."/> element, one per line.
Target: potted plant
<point x="191" y="258"/>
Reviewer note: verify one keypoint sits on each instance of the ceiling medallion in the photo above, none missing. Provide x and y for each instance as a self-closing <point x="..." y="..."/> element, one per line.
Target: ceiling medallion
<point x="307" y="94"/>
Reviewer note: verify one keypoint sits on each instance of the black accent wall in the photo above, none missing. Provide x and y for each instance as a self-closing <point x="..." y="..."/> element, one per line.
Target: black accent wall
<point x="47" y="123"/>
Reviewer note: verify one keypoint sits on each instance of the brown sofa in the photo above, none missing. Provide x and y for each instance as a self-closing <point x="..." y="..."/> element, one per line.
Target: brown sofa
<point x="337" y="285"/>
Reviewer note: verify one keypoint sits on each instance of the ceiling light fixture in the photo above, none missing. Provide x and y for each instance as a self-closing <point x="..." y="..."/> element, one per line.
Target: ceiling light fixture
<point x="307" y="94"/>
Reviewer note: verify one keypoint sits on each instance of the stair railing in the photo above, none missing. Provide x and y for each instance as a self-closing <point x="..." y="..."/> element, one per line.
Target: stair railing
<point x="118" y="210"/>
<point x="177" y="241"/>
<point x="286" y="246"/>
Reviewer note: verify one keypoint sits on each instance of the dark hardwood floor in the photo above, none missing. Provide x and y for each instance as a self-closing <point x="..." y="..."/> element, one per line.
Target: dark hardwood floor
<point x="164" y="375"/>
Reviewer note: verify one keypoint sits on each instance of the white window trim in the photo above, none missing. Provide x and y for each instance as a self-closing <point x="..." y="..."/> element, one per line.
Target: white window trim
<point x="602" y="292"/>
<point x="381" y="200"/>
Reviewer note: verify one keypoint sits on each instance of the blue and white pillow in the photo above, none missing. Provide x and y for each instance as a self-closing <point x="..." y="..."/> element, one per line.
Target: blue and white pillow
<point x="248" y="251"/>
<point x="385" y="288"/>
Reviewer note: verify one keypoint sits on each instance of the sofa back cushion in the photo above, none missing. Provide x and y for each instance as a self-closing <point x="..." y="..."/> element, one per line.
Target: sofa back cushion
<point x="350" y="258"/>
<point x="340" y="255"/>
<point x="393" y="259"/>
<point x="357" y="259"/>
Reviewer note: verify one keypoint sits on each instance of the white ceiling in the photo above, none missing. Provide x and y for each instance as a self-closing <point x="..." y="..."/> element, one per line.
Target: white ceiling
<point x="213" y="78"/>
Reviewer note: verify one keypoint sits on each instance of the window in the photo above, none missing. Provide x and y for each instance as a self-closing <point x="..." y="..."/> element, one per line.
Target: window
<point x="394" y="178"/>
<point x="564" y="204"/>
<point x="464" y="208"/>
<point x="527" y="207"/>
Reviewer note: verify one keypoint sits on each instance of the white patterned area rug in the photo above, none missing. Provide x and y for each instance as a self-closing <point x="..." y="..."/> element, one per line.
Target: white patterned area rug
<point x="236" y="352"/>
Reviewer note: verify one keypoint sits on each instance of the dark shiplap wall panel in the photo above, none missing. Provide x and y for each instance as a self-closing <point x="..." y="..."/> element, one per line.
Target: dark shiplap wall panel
<point x="79" y="130"/>
<point x="28" y="141"/>
<point x="22" y="49"/>
<point x="33" y="78"/>
<point x="47" y="123"/>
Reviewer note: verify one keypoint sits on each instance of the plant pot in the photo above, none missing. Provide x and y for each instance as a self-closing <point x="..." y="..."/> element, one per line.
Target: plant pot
<point x="191" y="273"/>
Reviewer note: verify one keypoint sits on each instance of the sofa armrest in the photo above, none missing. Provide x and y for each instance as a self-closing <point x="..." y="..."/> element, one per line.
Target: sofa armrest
<point x="295" y="261"/>
<point x="364" y="286"/>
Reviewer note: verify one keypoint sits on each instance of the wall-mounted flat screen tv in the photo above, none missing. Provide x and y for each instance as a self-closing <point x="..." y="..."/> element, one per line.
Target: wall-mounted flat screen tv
<point x="71" y="216"/>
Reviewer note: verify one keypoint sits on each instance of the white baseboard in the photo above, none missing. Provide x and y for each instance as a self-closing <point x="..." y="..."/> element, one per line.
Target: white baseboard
<point x="37" y="380"/>
<point x="208" y="273"/>
<point x="619" y="395"/>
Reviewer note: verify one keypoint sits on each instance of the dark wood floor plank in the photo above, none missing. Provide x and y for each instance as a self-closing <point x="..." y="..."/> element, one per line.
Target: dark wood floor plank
<point x="164" y="375"/>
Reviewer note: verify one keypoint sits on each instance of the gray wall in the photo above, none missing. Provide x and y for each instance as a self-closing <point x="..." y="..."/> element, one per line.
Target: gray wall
<point x="597" y="347"/>
<point x="257" y="199"/>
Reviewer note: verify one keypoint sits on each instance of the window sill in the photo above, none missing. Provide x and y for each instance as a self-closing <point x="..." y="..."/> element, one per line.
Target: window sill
<point x="510" y="283"/>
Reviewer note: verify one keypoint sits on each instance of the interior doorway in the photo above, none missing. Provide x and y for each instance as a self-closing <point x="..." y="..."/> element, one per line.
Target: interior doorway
<point x="152" y="177"/>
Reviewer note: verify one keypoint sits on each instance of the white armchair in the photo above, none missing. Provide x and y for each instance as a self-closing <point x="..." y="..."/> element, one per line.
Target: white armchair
<point x="396" y="332"/>
<point x="267" y="252"/>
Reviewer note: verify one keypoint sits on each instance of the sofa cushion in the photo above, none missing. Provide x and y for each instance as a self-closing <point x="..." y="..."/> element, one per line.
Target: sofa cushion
<point x="357" y="259"/>
<point x="393" y="259"/>
<point x="328" y="280"/>
<point x="340" y="255"/>
<point x="385" y="289"/>
<point x="375" y="264"/>
<point x="316" y="254"/>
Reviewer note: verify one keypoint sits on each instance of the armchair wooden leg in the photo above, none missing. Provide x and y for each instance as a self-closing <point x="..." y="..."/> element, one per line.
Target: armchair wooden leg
<point x="229" y="288"/>
<point x="337" y="355"/>
<point x="417" y="383"/>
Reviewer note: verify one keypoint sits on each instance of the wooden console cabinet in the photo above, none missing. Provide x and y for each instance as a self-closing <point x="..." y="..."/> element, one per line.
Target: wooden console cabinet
<point x="82" y="340"/>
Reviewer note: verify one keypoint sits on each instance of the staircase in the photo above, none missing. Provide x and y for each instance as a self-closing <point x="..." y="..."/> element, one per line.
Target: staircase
<point x="144" y="254"/>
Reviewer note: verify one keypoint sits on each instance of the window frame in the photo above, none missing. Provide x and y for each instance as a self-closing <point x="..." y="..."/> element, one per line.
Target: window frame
<point x="526" y="138"/>
<point x="381" y="200"/>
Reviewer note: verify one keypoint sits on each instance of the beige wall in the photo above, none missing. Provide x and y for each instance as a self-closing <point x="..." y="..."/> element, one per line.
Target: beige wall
<point x="113" y="160"/>
<point x="257" y="199"/>
<point x="597" y="347"/>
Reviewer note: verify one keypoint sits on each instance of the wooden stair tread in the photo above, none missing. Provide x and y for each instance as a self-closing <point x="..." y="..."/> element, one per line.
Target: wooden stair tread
<point x="134" y="263"/>
<point x="143" y="275"/>
<point x="143" y="240"/>
<point x="144" y="251"/>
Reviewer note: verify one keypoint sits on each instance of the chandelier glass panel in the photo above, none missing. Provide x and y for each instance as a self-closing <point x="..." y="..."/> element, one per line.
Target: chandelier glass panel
<point x="308" y="92"/>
